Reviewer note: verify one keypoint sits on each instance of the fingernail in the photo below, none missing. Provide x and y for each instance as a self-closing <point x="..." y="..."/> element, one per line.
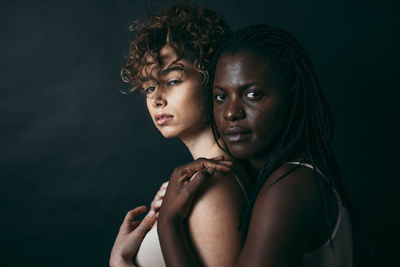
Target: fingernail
<point x="151" y="213"/>
<point x="210" y="171"/>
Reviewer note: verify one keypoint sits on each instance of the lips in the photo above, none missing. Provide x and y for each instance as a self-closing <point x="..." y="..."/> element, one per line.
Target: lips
<point x="163" y="119"/>
<point x="236" y="134"/>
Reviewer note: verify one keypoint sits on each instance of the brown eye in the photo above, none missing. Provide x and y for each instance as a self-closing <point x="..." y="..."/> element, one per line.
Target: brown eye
<point x="219" y="97"/>
<point x="253" y="95"/>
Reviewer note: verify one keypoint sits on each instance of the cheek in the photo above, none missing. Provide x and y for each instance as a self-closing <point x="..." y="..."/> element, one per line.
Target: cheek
<point x="191" y="103"/>
<point x="270" y="122"/>
<point x="218" y="115"/>
<point x="149" y="107"/>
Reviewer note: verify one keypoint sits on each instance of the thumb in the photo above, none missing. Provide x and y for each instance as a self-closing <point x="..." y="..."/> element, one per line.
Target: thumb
<point x="137" y="235"/>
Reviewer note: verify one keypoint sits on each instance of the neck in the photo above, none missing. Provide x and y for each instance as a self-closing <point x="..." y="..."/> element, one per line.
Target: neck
<point x="256" y="164"/>
<point x="201" y="144"/>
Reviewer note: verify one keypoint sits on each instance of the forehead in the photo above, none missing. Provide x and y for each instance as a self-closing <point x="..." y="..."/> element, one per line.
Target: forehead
<point x="242" y="67"/>
<point x="169" y="62"/>
<point x="167" y="56"/>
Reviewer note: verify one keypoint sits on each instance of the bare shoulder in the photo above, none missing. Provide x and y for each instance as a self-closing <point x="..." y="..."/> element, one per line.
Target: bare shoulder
<point x="284" y="218"/>
<point x="213" y="223"/>
<point x="221" y="194"/>
<point x="294" y="188"/>
<point x="292" y="175"/>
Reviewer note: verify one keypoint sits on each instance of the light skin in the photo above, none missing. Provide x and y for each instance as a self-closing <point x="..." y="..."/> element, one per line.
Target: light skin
<point x="174" y="97"/>
<point x="251" y="105"/>
<point x="129" y="237"/>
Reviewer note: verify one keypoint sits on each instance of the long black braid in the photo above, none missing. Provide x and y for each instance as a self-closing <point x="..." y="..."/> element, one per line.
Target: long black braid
<point x="310" y="125"/>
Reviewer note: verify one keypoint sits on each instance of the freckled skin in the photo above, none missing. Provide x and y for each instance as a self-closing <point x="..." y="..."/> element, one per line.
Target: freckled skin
<point x="248" y="93"/>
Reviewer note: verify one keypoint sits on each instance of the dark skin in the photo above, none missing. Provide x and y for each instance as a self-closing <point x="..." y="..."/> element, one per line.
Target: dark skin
<point x="251" y="106"/>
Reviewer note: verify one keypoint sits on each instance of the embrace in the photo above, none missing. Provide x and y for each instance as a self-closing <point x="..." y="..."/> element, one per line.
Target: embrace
<point x="264" y="188"/>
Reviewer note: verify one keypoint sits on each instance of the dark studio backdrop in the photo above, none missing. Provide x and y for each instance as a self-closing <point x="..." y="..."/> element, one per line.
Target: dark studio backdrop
<point x="76" y="154"/>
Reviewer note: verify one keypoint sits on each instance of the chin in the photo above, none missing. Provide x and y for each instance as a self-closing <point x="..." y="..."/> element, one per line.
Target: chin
<point x="240" y="151"/>
<point x="168" y="133"/>
<point x="249" y="150"/>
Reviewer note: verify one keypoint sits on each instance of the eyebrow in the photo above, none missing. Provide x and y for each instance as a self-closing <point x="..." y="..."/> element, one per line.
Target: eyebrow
<point x="172" y="67"/>
<point x="241" y="87"/>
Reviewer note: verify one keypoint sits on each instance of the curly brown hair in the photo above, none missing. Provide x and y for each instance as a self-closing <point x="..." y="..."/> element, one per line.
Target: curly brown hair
<point x="193" y="32"/>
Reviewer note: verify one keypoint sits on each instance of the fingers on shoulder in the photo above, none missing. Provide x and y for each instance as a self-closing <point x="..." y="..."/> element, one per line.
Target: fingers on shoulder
<point x="164" y="185"/>
<point x="203" y="163"/>
<point x="145" y="225"/>
<point x="156" y="204"/>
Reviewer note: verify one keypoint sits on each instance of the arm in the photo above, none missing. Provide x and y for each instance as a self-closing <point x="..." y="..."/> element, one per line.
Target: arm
<point x="214" y="238"/>
<point x="213" y="224"/>
<point x="283" y="221"/>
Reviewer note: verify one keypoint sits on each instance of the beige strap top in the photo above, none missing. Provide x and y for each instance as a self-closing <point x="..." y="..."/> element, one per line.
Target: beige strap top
<point x="341" y="255"/>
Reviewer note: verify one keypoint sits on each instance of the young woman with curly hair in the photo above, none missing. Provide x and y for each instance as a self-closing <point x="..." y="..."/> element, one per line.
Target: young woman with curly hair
<point x="168" y="61"/>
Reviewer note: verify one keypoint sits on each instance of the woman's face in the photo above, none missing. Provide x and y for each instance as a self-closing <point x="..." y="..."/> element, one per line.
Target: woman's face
<point x="251" y="103"/>
<point x="174" y="95"/>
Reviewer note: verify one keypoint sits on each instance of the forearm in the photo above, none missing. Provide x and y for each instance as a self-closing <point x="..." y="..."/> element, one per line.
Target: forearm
<point x="121" y="263"/>
<point x="174" y="244"/>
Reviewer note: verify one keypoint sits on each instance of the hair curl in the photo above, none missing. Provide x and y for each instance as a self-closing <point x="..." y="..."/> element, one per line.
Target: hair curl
<point x="193" y="32"/>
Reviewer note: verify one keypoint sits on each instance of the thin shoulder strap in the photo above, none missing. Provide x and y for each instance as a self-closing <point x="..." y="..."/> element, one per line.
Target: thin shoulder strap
<point x="241" y="186"/>
<point x="320" y="173"/>
<point x="342" y="211"/>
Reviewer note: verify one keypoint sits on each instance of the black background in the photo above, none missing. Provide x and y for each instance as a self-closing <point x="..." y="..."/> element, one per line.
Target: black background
<point x="76" y="154"/>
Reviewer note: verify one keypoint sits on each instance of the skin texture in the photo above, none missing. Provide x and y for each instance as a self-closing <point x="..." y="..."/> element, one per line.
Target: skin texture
<point x="174" y="88"/>
<point x="250" y="107"/>
<point x="174" y="97"/>
<point x="219" y="210"/>
<point x="250" y="93"/>
<point x="286" y="219"/>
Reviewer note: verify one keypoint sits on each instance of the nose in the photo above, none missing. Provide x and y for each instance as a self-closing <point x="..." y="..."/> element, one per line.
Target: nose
<point x="159" y="100"/>
<point x="234" y="111"/>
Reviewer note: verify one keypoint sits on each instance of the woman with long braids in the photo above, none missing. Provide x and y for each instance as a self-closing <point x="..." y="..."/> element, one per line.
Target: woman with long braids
<point x="271" y="114"/>
<point x="168" y="62"/>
